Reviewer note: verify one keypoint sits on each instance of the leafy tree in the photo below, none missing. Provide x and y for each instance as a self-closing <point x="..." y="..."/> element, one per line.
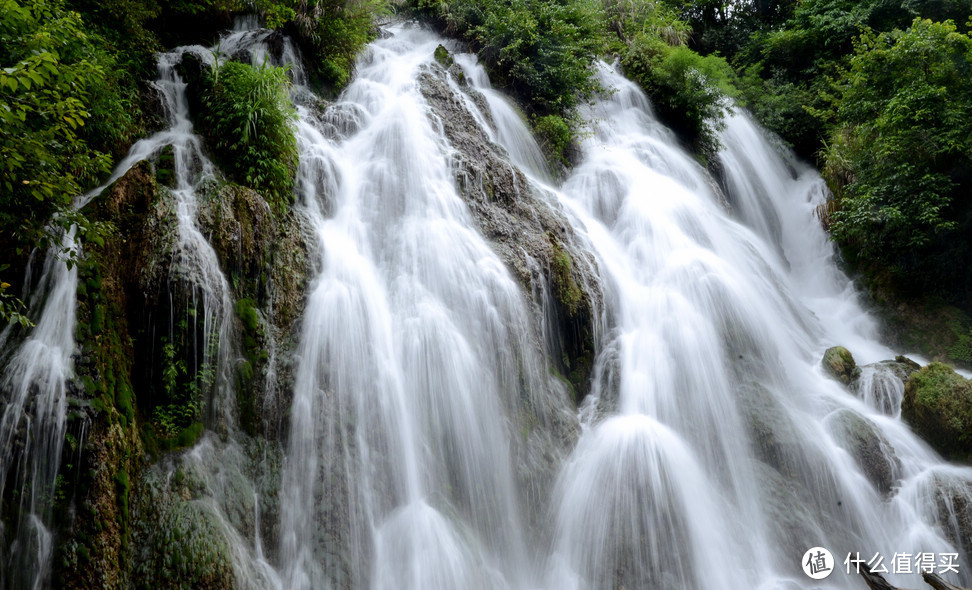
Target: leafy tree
<point x="49" y="71"/>
<point x="900" y="155"/>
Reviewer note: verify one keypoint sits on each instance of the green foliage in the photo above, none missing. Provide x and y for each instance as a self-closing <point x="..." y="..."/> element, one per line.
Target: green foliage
<point x="554" y="136"/>
<point x="249" y="122"/>
<point x="630" y="19"/>
<point x="176" y="418"/>
<point x="565" y="288"/>
<point x="540" y="50"/>
<point x="790" y="69"/>
<point x="332" y="32"/>
<point x="901" y="155"/>
<point x="49" y="73"/>
<point x="690" y="91"/>
<point x="12" y="309"/>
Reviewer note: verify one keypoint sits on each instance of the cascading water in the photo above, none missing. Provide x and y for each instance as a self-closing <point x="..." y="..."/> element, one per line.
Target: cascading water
<point x="713" y="451"/>
<point x="32" y="428"/>
<point x="722" y="449"/>
<point x="414" y="346"/>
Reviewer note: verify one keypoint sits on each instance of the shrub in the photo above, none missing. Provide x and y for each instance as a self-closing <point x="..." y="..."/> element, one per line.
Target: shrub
<point x="249" y="122"/>
<point x="554" y="136"/>
<point x="690" y="91"/>
<point x="332" y="32"/>
<point x="542" y="51"/>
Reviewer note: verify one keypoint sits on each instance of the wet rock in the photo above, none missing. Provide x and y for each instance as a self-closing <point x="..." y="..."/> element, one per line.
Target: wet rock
<point x="771" y="429"/>
<point x="953" y="510"/>
<point x="793" y="519"/>
<point x="266" y="261"/>
<point x="881" y="385"/>
<point x="938" y="405"/>
<point x="183" y="547"/>
<point x="526" y="229"/>
<point x="839" y="364"/>
<point x="868" y="447"/>
<point x="107" y="449"/>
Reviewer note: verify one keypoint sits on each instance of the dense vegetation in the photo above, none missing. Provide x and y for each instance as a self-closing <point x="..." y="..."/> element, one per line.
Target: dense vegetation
<point x="900" y="157"/>
<point x="249" y="123"/>
<point x="74" y="78"/>
<point x="877" y="91"/>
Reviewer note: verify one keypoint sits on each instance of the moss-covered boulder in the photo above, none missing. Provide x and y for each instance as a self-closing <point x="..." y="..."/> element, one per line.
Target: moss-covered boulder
<point x="938" y="405"/>
<point x="839" y="363"/>
<point x="181" y="541"/>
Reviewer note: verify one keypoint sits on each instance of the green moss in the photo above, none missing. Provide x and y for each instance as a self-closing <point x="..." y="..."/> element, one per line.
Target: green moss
<point x="574" y="321"/>
<point x="961" y="348"/>
<point x="190" y="434"/>
<point x="254" y="356"/>
<point x="165" y="166"/>
<point x="123" y="401"/>
<point x="97" y="319"/>
<point x="123" y="487"/>
<point x="565" y="288"/>
<point x="247" y="312"/>
<point x="442" y="56"/>
<point x="183" y="547"/>
<point x="839" y="363"/>
<point x="938" y="405"/>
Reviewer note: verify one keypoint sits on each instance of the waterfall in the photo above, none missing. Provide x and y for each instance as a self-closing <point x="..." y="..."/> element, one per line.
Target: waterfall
<point x="710" y="452"/>
<point x="32" y="428"/>
<point x="412" y="351"/>
<point x="714" y="451"/>
<point x="721" y="452"/>
<point x="36" y="376"/>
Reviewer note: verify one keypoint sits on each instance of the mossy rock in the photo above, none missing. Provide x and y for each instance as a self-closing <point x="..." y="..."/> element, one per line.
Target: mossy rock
<point x="938" y="405"/>
<point x="443" y="57"/>
<point x="839" y="363"/>
<point x="185" y="549"/>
